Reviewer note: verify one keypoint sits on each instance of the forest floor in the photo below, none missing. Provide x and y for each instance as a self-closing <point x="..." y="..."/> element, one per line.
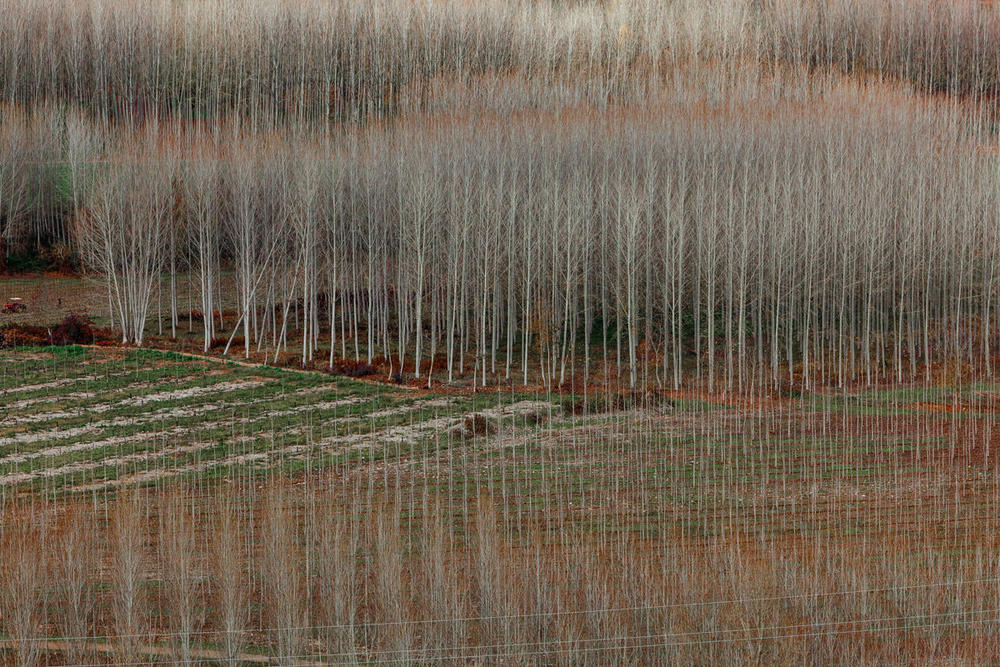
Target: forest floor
<point x="51" y="297"/>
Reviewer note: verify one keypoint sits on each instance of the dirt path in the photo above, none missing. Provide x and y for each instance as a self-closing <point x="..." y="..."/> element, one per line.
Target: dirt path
<point x="166" y="413"/>
<point x="19" y="389"/>
<point x="152" y="453"/>
<point x="126" y="396"/>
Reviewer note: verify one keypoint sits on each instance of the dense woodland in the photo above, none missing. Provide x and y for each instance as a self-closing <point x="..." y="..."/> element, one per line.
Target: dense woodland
<point x="748" y="190"/>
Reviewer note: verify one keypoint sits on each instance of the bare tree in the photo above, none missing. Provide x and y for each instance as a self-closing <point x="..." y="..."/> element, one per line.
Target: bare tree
<point x="75" y="563"/>
<point x="123" y="237"/>
<point x="178" y="549"/>
<point x="22" y="587"/>
<point x="284" y="588"/>
<point x="229" y="580"/>
<point x="129" y="598"/>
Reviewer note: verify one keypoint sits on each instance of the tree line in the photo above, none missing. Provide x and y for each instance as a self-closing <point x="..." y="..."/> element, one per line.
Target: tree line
<point x="344" y="61"/>
<point x="352" y="61"/>
<point x="749" y="248"/>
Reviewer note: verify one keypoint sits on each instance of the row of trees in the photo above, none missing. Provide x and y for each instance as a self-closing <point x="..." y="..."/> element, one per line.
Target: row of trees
<point x="34" y="205"/>
<point x="154" y="579"/>
<point x="356" y="59"/>
<point x="942" y="47"/>
<point x="335" y="61"/>
<point x="753" y="247"/>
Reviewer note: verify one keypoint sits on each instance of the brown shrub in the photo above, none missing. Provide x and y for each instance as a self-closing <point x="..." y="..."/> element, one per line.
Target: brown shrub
<point x="73" y="330"/>
<point x="350" y="368"/>
<point x="479" y="424"/>
<point x="221" y="342"/>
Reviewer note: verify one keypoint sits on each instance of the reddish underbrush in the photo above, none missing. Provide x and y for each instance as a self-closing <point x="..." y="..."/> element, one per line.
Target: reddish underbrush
<point x="71" y="330"/>
<point x="350" y="368"/>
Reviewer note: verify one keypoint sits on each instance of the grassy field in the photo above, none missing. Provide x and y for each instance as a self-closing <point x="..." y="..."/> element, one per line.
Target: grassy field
<point x="79" y="419"/>
<point x="94" y="419"/>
